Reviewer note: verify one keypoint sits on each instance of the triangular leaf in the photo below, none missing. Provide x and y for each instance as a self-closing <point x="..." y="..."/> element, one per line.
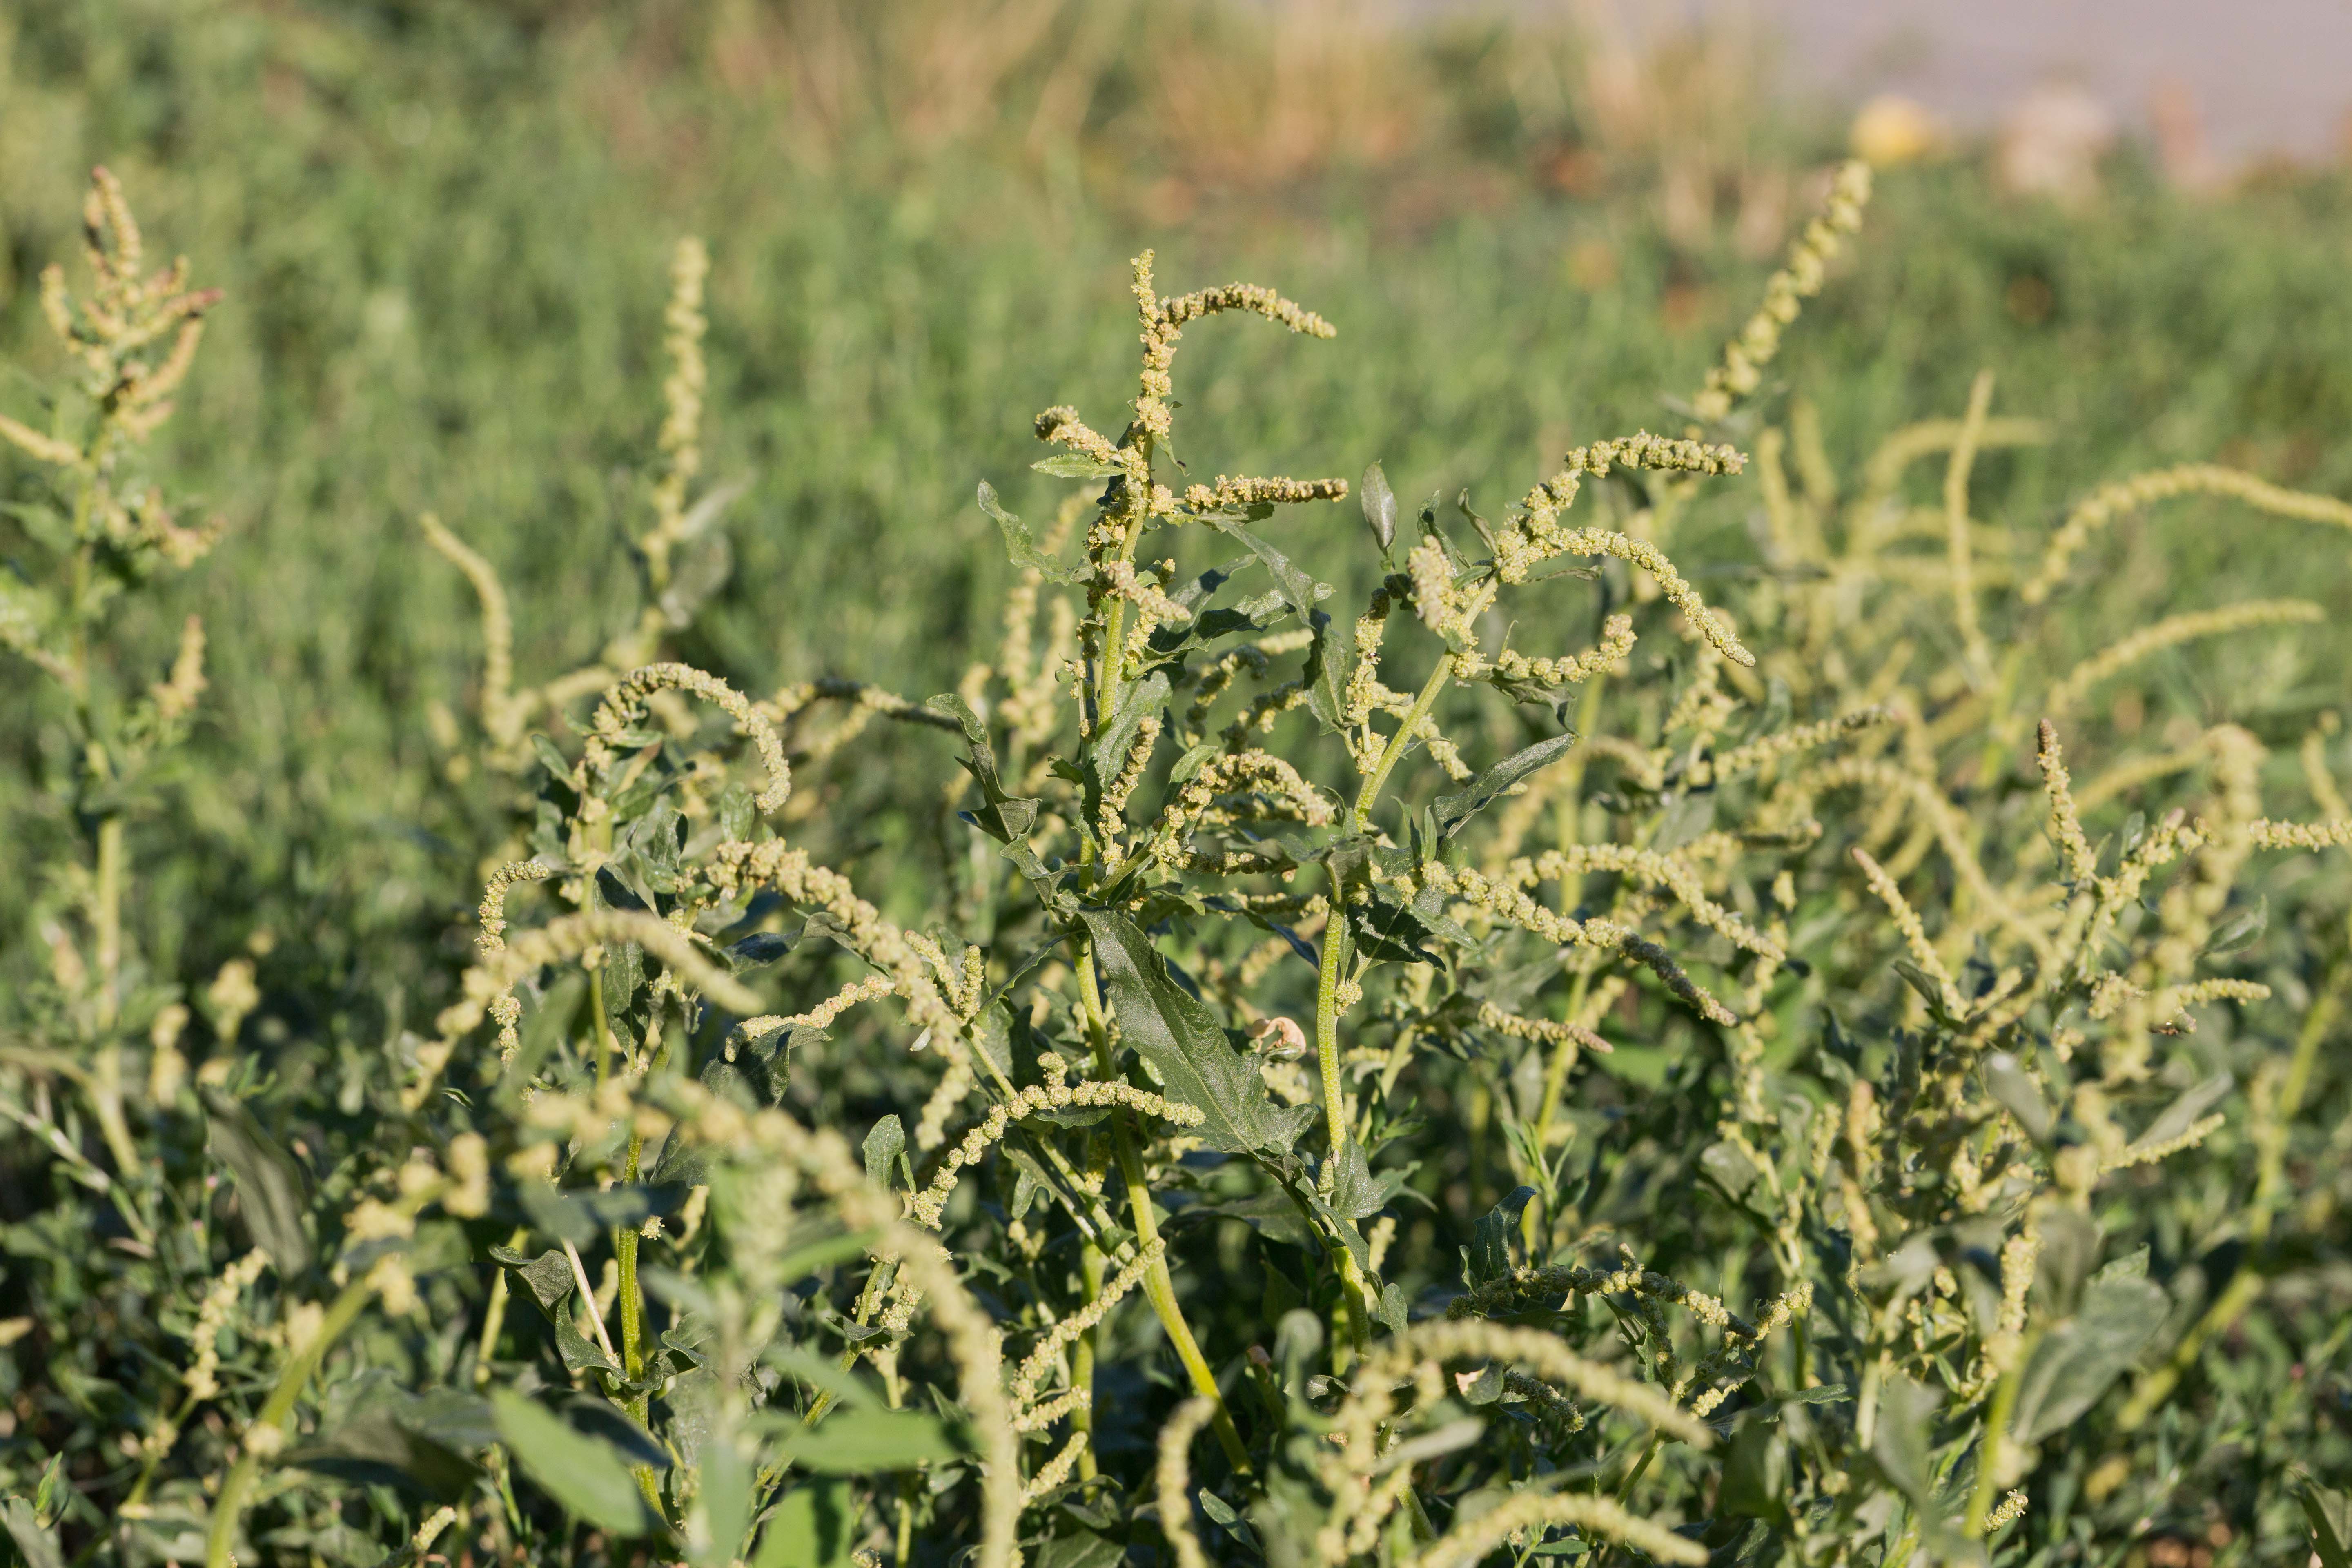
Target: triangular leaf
<point x="1181" y="1039"/>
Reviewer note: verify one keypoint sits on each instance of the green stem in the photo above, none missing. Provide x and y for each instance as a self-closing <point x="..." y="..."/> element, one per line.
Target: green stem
<point x="277" y="1413"/>
<point x="109" y="919"/>
<point x="633" y="1307"/>
<point x="1082" y="1359"/>
<point x="1378" y="777"/>
<point x="1996" y="1433"/>
<point x="494" y="1318"/>
<point x="1159" y="1288"/>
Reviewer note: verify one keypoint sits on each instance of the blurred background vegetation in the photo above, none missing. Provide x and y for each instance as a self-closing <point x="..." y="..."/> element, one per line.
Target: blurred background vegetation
<point x="442" y="227"/>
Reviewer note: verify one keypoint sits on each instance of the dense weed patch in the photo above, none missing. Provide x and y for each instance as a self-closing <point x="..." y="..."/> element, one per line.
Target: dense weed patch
<point x="1561" y="1052"/>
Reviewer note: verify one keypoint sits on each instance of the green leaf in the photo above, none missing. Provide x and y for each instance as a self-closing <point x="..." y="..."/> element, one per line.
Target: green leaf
<point x="1385" y="930"/>
<point x="884" y="1144"/>
<point x="1755" y="1473"/>
<point x="38" y="1544"/>
<point x="1331" y="666"/>
<point x="548" y="1276"/>
<point x="1298" y="591"/>
<point x="700" y="570"/>
<point x="2014" y="1087"/>
<point x="1380" y="510"/>
<point x="2070" y="1250"/>
<point x="2329" y="1514"/>
<point x="2182" y="1113"/>
<point x="1176" y="1033"/>
<point x="2242" y="930"/>
<point x="586" y="1474"/>
<point x="809" y="1528"/>
<point x="1488" y="1257"/>
<point x="2076" y="1362"/>
<point x="273" y="1191"/>
<point x="1081" y="1549"/>
<point x="1018" y="542"/>
<point x="860" y="1442"/>
<point x="377" y="1446"/>
<point x="1903" y="1444"/>
<point x="1452" y="810"/>
<point x="1004" y="817"/>
<point x="724" y="1495"/>
<point x="1074" y="465"/>
<point x="1136" y="700"/>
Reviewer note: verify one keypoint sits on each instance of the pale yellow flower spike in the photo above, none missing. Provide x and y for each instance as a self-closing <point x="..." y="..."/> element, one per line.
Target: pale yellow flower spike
<point x="624" y="703"/>
<point x="2170" y="632"/>
<point x="2103" y="505"/>
<point x="1801" y="277"/>
<point x="2065" y="821"/>
<point x="1915" y="935"/>
<point x="2269" y="835"/>
<point x="493" y="911"/>
<point x="1955" y="528"/>
<point x="502" y="716"/>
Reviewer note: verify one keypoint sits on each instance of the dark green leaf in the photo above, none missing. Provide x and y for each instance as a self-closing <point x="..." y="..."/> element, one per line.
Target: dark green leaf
<point x="376" y="1446"/>
<point x="1904" y="1445"/>
<point x="884" y="1144"/>
<point x="586" y="1474"/>
<point x="1181" y="1039"/>
<point x="810" y="1527"/>
<point x="1390" y="931"/>
<point x="1080" y="1548"/>
<point x="1489" y="1253"/>
<point x="1755" y="1473"/>
<point x="2076" y="1362"/>
<point x="1452" y="810"/>
<point x="273" y="1191"/>
<point x="859" y="1441"/>
<point x="1298" y="591"/>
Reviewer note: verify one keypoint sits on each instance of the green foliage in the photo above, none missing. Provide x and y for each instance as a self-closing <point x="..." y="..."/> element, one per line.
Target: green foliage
<point x="1722" y="1092"/>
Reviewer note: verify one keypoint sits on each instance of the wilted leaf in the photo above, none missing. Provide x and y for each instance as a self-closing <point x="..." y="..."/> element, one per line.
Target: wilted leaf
<point x="1018" y="543"/>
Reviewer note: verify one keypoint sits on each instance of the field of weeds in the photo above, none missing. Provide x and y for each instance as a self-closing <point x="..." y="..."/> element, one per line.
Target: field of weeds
<point x="711" y="865"/>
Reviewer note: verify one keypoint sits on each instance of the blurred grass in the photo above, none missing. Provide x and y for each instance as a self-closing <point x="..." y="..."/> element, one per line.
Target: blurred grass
<point x="443" y="230"/>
